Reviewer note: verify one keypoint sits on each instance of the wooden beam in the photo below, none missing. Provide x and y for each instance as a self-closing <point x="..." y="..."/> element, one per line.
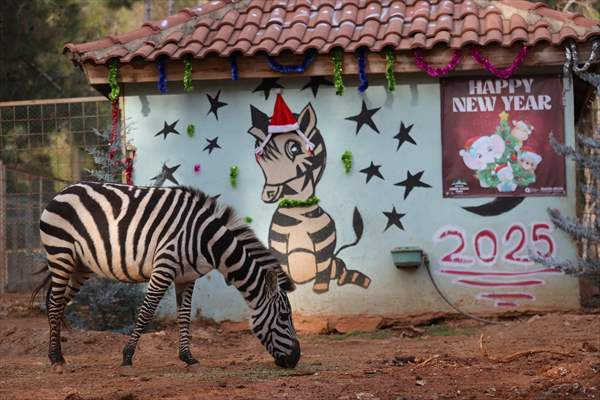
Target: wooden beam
<point x="214" y="67"/>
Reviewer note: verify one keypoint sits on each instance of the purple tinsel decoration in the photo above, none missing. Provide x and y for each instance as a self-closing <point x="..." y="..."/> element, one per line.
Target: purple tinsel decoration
<point x="286" y="69"/>
<point x="436" y="72"/>
<point x="364" y="82"/>
<point x="162" y="76"/>
<point x="500" y="73"/>
<point x="234" y="67"/>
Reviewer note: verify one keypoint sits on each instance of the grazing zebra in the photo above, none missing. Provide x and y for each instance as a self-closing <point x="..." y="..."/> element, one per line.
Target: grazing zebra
<point x="162" y="236"/>
<point x="303" y="238"/>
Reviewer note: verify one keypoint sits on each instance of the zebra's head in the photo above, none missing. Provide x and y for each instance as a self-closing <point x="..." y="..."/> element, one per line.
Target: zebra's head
<point x="288" y="168"/>
<point x="271" y="321"/>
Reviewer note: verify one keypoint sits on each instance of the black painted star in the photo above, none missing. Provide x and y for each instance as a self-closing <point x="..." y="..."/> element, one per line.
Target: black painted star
<point x="315" y="82"/>
<point x="411" y="182"/>
<point x="166" y="175"/>
<point x="212" y="144"/>
<point x="393" y="218"/>
<point x="168" y="128"/>
<point x="215" y="104"/>
<point x="371" y="171"/>
<point x="267" y="85"/>
<point x="404" y="135"/>
<point x="365" y="117"/>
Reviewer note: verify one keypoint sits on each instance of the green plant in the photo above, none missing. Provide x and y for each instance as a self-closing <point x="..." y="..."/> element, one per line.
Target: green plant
<point x="233" y="175"/>
<point x="191" y="130"/>
<point x="347" y="160"/>
<point x="291" y="203"/>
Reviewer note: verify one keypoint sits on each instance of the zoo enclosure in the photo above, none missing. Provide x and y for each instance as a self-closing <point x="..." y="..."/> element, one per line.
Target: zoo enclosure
<point x="42" y="149"/>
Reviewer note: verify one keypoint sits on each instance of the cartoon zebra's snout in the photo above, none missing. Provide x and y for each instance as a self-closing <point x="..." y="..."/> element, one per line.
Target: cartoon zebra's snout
<point x="272" y="193"/>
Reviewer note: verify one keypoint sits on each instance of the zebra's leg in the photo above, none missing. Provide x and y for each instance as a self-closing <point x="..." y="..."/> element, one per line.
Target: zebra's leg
<point x="75" y="283"/>
<point x="184" y="310"/>
<point x="323" y="276"/>
<point x="160" y="280"/>
<point x="55" y="304"/>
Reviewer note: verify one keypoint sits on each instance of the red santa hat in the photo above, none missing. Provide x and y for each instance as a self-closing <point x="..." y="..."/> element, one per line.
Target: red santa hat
<point x="524" y="125"/>
<point x="530" y="152"/>
<point x="283" y="120"/>
<point x="500" y="167"/>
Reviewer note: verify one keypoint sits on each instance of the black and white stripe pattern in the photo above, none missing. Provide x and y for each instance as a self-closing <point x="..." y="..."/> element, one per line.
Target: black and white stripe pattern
<point x="162" y="236"/>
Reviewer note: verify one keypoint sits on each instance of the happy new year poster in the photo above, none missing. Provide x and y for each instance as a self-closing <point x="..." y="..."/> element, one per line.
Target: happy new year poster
<point x="495" y="136"/>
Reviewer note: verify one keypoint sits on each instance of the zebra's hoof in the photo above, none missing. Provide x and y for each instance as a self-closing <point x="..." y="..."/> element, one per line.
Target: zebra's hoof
<point x="195" y="367"/>
<point x="126" y="370"/>
<point x="58" y="368"/>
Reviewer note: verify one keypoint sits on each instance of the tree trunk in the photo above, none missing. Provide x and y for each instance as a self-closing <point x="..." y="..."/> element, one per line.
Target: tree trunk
<point x="170" y="7"/>
<point x="147" y="10"/>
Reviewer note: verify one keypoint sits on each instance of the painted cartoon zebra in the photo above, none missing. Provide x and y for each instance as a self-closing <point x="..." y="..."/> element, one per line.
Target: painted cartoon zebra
<point x="163" y="236"/>
<point x="304" y="238"/>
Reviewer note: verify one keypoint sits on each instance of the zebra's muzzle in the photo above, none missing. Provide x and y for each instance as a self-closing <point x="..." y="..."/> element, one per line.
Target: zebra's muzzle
<point x="290" y="360"/>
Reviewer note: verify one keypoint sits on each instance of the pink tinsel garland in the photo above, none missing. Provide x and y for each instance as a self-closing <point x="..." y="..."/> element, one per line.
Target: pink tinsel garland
<point x="436" y="72"/>
<point x="500" y="73"/>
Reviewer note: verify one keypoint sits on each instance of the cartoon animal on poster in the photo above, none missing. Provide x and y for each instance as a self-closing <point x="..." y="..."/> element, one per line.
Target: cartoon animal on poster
<point x="292" y="156"/>
<point x="503" y="160"/>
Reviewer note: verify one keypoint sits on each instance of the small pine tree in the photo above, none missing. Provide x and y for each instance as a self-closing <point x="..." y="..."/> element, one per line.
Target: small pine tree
<point x="108" y="169"/>
<point x="586" y="156"/>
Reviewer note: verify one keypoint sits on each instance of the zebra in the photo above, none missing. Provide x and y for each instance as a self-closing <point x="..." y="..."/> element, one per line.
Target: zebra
<point x="302" y="238"/>
<point x="161" y="235"/>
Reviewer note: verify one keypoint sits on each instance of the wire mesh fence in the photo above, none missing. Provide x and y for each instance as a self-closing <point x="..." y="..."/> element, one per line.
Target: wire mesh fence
<point x="42" y="149"/>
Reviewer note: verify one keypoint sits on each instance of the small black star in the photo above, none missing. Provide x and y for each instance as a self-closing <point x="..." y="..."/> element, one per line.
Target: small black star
<point x="215" y="104"/>
<point x="371" y="171"/>
<point x="168" y="128"/>
<point x="166" y="174"/>
<point x="411" y="182"/>
<point x="267" y="85"/>
<point x="393" y="218"/>
<point x="404" y="135"/>
<point x="212" y="144"/>
<point x="315" y="82"/>
<point x="365" y="117"/>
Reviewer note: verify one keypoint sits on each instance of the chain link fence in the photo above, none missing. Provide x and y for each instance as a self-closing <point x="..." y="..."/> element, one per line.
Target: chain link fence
<point x="42" y="149"/>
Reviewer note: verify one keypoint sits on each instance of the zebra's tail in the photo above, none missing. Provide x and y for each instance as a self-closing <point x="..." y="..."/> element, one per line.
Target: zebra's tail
<point x="47" y="281"/>
<point x="358" y="225"/>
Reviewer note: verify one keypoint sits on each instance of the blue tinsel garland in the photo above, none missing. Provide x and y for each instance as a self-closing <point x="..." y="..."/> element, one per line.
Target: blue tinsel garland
<point x="287" y="69"/>
<point x="364" y="83"/>
<point x="234" y="67"/>
<point x="162" y="76"/>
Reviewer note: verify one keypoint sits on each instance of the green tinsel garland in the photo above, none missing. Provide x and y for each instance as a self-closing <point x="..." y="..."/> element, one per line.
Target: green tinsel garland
<point x="113" y="68"/>
<point x="336" y="59"/>
<point x="233" y="174"/>
<point x="347" y="160"/>
<point x="191" y="129"/>
<point x="389" y="69"/>
<point x="291" y="203"/>
<point x="187" y="75"/>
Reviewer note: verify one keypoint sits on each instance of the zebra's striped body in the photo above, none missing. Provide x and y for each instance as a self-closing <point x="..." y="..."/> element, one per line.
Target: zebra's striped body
<point x="163" y="236"/>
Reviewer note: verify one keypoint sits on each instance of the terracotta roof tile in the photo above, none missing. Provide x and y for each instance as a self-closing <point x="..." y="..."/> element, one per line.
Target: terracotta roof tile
<point x="248" y="27"/>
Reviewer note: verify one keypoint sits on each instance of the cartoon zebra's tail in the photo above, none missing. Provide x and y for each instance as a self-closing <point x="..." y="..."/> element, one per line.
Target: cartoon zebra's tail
<point x="358" y="225"/>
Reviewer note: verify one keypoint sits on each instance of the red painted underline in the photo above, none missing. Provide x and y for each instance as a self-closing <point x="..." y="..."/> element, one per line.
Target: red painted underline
<point x="507" y="296"/>
<point x="531" y="282"/>
<point x="491" y="274"/>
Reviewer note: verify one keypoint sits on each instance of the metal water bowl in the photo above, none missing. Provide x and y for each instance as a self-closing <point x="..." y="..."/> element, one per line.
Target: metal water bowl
<point x="407" y="257"/>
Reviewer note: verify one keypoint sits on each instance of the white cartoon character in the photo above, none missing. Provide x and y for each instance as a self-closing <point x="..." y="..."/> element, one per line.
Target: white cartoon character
<point x="529" y="159"/>
<point x="479" y="151"/>
<point x="505" y="174"/>
<point x="520" y="132"/>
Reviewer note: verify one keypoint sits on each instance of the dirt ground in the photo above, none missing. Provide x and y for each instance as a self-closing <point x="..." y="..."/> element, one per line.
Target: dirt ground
<point x="440" y="361"/>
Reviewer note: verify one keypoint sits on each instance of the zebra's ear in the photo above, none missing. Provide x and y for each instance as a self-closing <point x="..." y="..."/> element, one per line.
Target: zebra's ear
<point x="260" y="123"/>
<point x="308" y="120"/>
